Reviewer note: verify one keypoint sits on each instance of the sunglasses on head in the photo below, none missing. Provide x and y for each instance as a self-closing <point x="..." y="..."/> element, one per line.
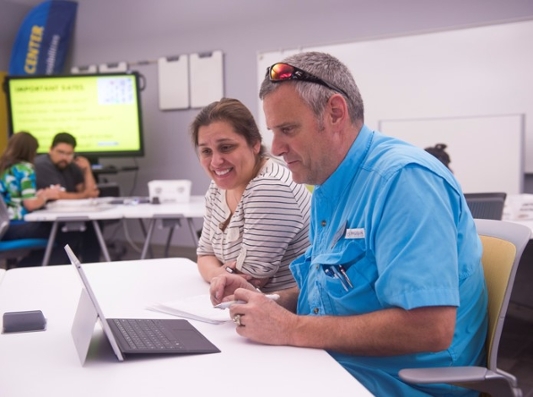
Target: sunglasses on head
<point x="280" y="72"/>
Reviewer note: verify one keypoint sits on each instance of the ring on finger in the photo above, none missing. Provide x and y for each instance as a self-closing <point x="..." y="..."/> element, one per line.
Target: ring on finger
<point x="237" y="320"/>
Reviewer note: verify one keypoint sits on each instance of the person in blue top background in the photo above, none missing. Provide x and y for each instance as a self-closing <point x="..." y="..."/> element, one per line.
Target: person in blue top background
<point x="393" y="277"/>
<point x="18" y="188"/>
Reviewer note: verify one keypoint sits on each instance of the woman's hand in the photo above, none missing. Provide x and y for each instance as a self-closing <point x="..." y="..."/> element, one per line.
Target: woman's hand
<point x="222" y="287"/>
<point x="231" y="268"/>
<point x="53" y="192"/>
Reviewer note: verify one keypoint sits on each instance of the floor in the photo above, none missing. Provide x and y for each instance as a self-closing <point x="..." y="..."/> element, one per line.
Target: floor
<point x="516" y="347"/>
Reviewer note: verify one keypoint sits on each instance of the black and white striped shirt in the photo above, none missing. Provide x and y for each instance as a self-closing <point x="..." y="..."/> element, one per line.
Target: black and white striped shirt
<point x="268" y="229"/>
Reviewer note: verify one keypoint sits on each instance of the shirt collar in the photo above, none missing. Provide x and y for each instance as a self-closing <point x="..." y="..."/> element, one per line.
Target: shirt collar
<point x="349" y="167"/>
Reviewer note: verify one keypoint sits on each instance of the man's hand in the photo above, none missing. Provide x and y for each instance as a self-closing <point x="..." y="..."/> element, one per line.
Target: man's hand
<point x="83" y="163"/>
<point x="91" y="193"/>
<point x="262" y="319"/>
<point x="90" y="189"/>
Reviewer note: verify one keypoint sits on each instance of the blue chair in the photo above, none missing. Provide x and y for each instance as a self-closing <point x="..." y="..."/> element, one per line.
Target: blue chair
<point x="13" y="250"/>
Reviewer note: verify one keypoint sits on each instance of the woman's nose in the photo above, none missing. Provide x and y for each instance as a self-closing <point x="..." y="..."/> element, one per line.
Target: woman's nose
<point x="217" y="159"/>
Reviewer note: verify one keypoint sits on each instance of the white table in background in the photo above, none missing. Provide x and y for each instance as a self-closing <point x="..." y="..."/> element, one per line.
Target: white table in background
<point x="169" y="214"/>
<point x="72" y="217"/>
<point x="46" y="363"/>
<point x="512" y="210"/>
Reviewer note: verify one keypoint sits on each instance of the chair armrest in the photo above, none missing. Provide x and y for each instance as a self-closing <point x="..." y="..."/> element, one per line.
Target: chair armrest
<point x="443" y="375"/>
<point x="477" y="378"/>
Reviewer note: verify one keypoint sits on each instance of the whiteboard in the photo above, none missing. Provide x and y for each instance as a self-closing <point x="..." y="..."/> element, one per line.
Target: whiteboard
<point x="206" y="73"/>
<point x="173" y="79"/>
<point x="481" y="71"/>
<point x="485" y="152"/>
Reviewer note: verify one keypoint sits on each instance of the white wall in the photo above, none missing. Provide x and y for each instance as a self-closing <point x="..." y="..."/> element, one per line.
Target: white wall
<point x="452" y="84"/>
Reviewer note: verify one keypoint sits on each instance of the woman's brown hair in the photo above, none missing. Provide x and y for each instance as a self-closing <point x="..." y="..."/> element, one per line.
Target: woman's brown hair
<point x="233" y="112"/>
<point x="22" y="146"/>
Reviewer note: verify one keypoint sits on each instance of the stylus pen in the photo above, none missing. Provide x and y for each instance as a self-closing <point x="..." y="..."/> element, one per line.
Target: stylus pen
<point x="225" y="305"/>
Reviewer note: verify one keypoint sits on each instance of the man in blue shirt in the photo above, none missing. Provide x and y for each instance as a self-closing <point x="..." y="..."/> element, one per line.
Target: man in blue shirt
<point x="393" y="277"/>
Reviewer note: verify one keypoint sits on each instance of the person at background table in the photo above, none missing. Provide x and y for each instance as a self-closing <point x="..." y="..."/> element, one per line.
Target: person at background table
<point x="60" y="167"/>
<point x="393" y="278"/>
<point x="20" y="194"/>
<point x="257" y="217"/>
<point x="439" y="151"/>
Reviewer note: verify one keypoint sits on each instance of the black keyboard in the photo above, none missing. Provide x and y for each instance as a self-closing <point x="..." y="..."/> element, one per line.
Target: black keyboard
<point x="146" y="334"/>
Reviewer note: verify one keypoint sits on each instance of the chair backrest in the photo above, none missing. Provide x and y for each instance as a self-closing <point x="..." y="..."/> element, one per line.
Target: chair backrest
<point x="503" y="245"/>
<point x="486" y="205"/>
<point x="4" y="217"/>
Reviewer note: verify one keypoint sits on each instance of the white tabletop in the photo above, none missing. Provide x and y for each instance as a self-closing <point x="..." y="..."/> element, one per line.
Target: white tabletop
<point x="519" y="209"/>
<point x="194" y="208"/>
<point x="46" y="363"/>
<point x="101" y="209"/>
<point x="46" y="215"/>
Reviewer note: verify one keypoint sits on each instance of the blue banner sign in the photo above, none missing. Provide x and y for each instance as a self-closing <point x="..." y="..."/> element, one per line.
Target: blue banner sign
<point x="42" y="42"/>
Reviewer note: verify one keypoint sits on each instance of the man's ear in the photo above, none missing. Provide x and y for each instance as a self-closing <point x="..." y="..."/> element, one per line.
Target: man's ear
<point x="338" y="109"/>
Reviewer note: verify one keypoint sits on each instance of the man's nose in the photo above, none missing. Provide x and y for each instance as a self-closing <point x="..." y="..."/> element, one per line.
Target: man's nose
<point x="279" y="148"/>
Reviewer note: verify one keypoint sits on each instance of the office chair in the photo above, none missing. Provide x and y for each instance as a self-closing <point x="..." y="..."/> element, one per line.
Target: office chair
<point x="503" y="245"/>
<point x="13" y="250"/>
<point x="486" y="205"/>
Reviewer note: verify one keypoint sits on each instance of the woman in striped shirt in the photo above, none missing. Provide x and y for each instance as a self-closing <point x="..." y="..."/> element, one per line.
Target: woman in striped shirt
<point x="257" y="217"/>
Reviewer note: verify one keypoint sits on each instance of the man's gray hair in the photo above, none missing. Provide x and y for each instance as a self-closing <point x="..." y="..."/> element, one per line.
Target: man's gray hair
<point x="329" y="69"/>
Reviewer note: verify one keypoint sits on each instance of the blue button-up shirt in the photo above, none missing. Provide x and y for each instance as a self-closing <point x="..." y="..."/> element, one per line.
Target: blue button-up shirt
<point x="390" y="229"/>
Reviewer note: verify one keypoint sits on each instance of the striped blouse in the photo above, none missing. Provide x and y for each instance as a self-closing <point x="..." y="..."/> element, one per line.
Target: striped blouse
<point x="268" y="230"/>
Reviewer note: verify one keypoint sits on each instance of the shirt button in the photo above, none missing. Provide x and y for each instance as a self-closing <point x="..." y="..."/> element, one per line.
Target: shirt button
<point x="315" y="310"/>
<point x="323" y="223"/>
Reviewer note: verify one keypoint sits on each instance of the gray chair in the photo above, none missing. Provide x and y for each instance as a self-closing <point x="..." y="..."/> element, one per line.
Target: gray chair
<point x="503" y="245"/>
<point x="486" y="205"/>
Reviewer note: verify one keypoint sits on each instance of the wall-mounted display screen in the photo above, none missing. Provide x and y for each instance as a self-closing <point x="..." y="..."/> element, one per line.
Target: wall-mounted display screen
<point x="102" y="111"/>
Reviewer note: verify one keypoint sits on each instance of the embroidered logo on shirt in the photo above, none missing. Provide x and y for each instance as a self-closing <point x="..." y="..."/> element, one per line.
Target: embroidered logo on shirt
<point x="355" y="233"/>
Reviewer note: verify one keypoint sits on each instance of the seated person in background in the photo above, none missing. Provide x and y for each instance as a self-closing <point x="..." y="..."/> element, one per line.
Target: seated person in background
<point x="257" y="217"/>
<point x="393" y="278"/>
<point x="74" y="175"/>
<point x="439" y="151"/>
<point x="61" y="167"/>
<point x="18" y="189"/>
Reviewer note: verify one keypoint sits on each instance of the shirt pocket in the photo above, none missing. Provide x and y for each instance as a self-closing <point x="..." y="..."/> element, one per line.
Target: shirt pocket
<point x="346" y="278"/>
